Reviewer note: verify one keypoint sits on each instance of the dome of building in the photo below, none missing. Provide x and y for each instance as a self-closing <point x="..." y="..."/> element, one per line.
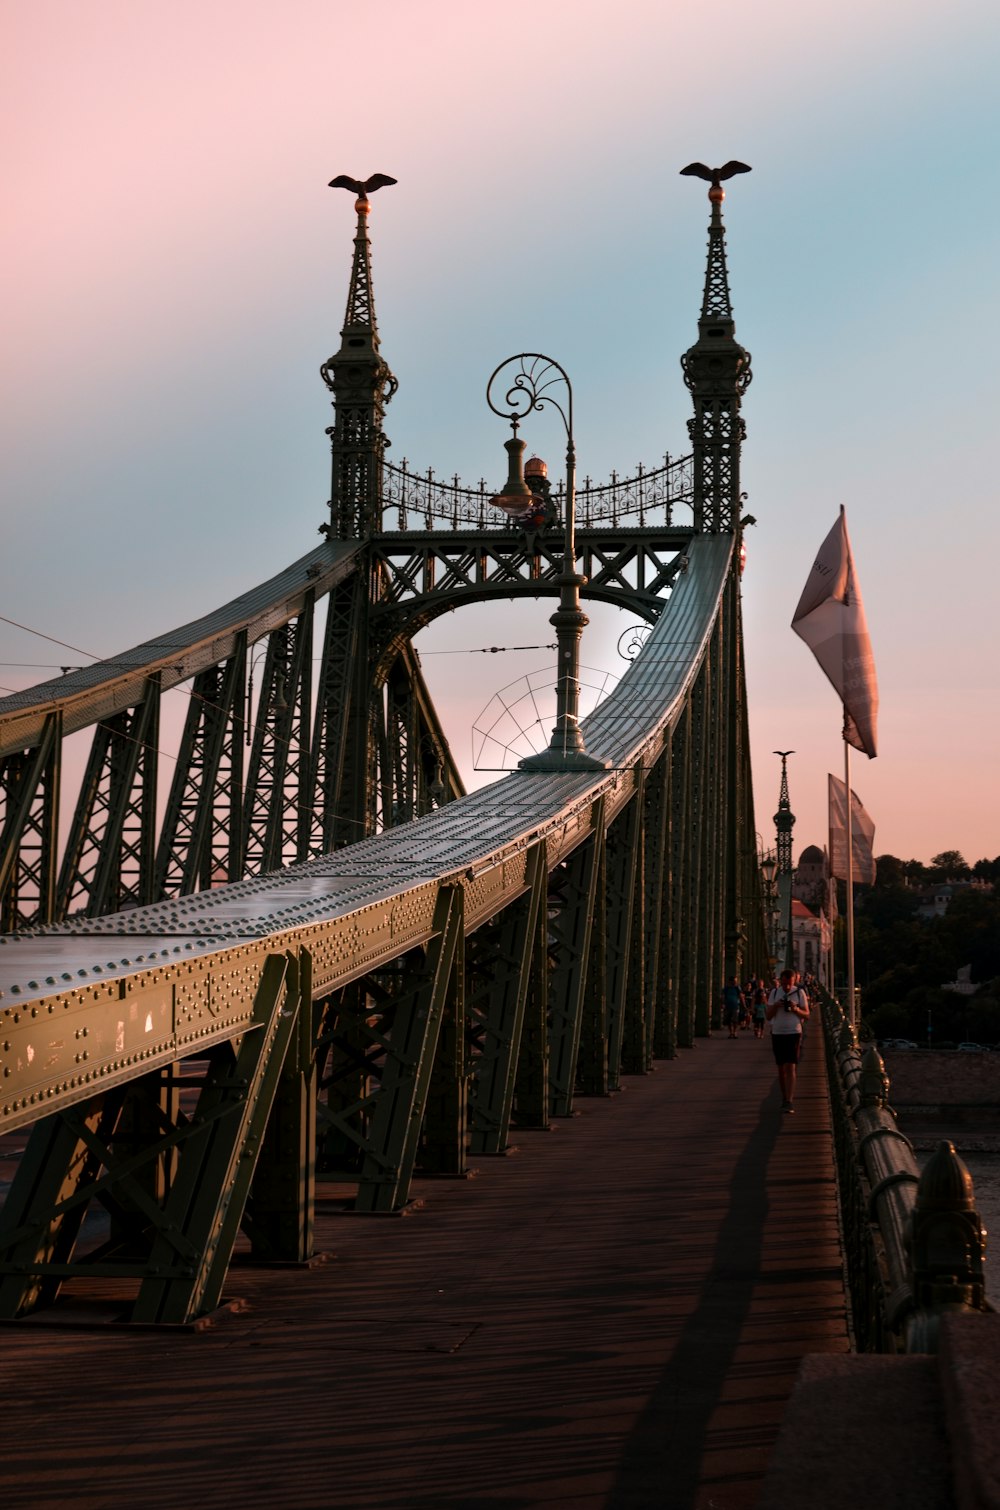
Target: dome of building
<point x="811" y="855"/>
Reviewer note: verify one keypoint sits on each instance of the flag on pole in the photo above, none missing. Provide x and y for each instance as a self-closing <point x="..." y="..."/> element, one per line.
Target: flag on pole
<point x="862" y="836"/>
<point x="831" y="619"/>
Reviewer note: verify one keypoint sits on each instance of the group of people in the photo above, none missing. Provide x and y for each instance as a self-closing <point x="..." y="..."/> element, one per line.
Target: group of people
<point x="785" y="1006"/>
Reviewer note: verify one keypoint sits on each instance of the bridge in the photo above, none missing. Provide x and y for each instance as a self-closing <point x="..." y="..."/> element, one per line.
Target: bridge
<point x="310" y="960"/>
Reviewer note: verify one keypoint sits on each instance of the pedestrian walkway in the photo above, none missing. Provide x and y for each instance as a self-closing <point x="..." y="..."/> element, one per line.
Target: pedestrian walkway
<point x="610" y="1316"/>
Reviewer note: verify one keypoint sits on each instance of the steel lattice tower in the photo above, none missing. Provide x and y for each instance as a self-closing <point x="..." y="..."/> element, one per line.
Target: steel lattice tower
<point x="362" y="384"/>
<point x="717" y="373"/>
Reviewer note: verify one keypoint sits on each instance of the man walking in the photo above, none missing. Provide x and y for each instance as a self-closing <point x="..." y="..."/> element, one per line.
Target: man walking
<point x="787" y="1010"/>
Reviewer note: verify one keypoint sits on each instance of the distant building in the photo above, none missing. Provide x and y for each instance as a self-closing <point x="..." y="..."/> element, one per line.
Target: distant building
<point x="814" y="908"/>
<point x="811" y="877"/>
<point x="812" y="941"/>
<point x="935" y="901"/>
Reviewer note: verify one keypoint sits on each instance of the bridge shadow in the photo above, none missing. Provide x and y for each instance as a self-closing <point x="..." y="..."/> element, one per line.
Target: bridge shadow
<point x="662" y="1460"/>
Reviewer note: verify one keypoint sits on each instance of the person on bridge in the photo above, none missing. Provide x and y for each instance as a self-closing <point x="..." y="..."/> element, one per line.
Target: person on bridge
<point x="758" y="1007"/>
<point x="733" y="1005"/>
<point x="787" y="1010"/>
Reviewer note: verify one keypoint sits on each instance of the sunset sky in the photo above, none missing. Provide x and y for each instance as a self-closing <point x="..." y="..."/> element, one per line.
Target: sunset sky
<point x="176" y="270"/>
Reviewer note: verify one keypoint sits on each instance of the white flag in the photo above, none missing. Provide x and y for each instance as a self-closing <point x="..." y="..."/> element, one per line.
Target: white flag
<point x="831" y="619"/>
<point x="862" y="836"/>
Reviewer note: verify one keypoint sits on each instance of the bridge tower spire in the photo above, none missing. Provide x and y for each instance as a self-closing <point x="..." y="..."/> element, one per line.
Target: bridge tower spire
<point x="717" y="373"/>
<point x="361" y="383"/>
<point x="784" y="818"/>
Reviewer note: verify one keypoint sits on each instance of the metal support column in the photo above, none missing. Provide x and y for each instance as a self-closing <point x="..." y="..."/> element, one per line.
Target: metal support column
<point x="410" y="1050"/>
<point x="572" y="896"/>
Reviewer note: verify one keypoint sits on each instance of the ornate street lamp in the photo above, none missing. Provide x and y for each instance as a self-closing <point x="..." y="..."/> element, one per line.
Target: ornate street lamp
<point x="526" y="388"/>
<point x="768" y="870"/>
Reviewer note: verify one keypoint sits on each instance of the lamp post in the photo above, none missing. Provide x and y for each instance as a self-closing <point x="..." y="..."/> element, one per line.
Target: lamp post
<point x="768" y="869"/>
<point x="525" y="388"/>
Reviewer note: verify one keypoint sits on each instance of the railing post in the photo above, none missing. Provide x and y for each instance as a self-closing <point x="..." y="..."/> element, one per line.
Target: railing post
<point x="946" y="1246"/>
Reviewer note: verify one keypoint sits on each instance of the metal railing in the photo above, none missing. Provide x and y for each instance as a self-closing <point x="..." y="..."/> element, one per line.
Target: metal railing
<point x="422" y="501"/>
<point x="914" y="1243"/>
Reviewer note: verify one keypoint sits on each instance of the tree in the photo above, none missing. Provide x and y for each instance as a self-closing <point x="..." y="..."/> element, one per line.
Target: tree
<point x="987" y="870"/>
<point x="889" y="871"/>
<point x="970" y="933"/>
<point x="949" y="865"/>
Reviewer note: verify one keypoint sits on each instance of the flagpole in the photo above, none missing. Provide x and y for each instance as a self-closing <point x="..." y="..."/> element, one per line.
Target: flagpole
<point x="850" y="878"/>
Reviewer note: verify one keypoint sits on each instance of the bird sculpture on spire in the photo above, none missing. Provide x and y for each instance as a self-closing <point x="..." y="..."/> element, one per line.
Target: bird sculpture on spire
<point x="362" y="190"/>
<point x="714" y="176"/>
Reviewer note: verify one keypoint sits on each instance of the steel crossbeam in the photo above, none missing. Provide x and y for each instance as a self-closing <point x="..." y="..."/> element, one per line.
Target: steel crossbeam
<point x="423" y="575"/>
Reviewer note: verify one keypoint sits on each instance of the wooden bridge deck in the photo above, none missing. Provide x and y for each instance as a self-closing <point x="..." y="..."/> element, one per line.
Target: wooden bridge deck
<point x="611" y="1316"/>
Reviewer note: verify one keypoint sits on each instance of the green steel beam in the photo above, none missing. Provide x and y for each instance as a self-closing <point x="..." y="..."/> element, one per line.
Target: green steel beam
<point x="507" y="962"/>
<point x="572" y="893"/>
<point x="191" y="1250"/>
<point x="29" y="787"/>
<point x="445" y="1139"/>
<point x="410" y="1050"/>
<point x="532" y="1097"/>
<point x="280" y="1209"/>
<point x="173" y="1183"/>
<point x="666" y="1032"/>
<point x="593" y="1054"/>
<point x="624" y="851"/>
<point x="657" y="943"/>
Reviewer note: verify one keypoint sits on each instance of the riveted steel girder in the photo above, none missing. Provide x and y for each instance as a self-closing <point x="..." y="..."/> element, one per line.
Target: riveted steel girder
<point x="705" y="984"/>
<point x="110" y="850"/>
<point x="277" y="808"/>
<point x="666" y="1032"/>
<point x="410" y="1049"/>
<point x="202" y="827"/>
<point x="573" y="890"/>
<point x="417" y="771"/>
<point x="624" y="854"/>
<point x="279" y="1214"/>
<point x="29" y="793"/>
<point x="445" y="1137"/>
<point x="503" y="959"/>
<point x="653" y="943"/>
<point x="174" y="1182"/>
<point x="342" y="779"/>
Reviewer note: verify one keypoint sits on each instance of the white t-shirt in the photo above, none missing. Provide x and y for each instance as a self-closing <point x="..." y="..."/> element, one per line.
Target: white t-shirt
<point x="782" y="1021"/>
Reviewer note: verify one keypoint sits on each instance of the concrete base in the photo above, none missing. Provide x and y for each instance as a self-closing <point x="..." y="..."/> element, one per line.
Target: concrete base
<point x="917" y="1433"/>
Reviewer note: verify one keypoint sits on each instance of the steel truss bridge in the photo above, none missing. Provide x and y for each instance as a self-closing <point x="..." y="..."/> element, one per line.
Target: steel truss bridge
<point x="310" y="954"/>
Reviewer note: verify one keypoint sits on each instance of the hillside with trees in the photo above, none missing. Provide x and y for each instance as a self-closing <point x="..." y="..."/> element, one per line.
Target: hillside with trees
<point x="903" y="960"/>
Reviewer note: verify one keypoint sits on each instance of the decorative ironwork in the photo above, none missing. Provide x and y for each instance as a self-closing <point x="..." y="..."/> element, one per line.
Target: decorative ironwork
<point x="649" y="497"/>
<point x="515" y="721"/>
<point x="631" y="641"/>
<point x="530" y="390"/>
